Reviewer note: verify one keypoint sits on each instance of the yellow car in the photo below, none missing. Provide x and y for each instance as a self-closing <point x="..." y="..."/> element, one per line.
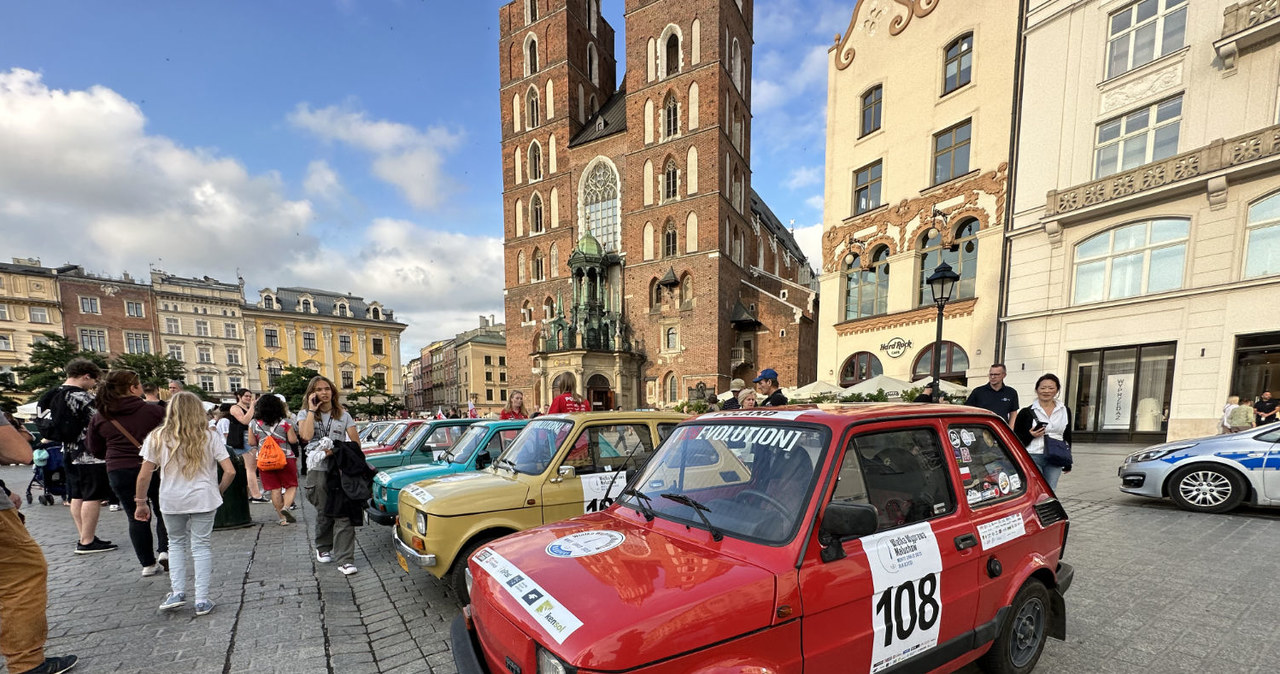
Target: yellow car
<point x="561" y="465"/>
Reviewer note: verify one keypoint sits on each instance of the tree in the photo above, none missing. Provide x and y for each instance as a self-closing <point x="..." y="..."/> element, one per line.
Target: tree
<point x="44" y="369"/>
<point x="152" y="368"/>
<point x="293" y="383"/>
<point x="371" y="399"/>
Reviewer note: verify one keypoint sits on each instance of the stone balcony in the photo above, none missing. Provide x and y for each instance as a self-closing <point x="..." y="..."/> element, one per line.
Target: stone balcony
<point x="1245" y="24"/>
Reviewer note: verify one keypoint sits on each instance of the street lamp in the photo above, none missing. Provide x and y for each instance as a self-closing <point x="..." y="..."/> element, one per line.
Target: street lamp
<point x="941" y="283"/>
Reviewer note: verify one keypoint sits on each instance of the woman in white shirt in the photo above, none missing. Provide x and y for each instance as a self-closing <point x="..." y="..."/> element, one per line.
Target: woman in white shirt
<point x="1047" y="416"/>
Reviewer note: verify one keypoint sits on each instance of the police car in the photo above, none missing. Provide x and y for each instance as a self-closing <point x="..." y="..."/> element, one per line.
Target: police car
<point x="1211" y="475"/>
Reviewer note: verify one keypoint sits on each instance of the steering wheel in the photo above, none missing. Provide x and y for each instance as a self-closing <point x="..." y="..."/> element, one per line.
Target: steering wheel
<point x="763" y="497"/>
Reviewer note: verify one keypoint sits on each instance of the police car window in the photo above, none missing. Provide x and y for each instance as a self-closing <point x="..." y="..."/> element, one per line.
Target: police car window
<point x="605" y="448"/>
<point x="1269" y="436"/>
<point x="987" y="469"/>
<point x="904" y="474"/>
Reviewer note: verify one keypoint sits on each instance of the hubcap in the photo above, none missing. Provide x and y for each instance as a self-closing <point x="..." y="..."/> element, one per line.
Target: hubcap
<point x="1206" y="488"/>
<point x="1028" y="632"/>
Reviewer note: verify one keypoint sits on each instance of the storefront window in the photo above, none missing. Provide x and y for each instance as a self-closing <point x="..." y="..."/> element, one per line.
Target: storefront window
<point x="1119" y="393"/>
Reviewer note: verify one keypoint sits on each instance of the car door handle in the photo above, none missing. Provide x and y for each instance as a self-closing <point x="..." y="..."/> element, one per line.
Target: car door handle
<point x="966" y="541"/>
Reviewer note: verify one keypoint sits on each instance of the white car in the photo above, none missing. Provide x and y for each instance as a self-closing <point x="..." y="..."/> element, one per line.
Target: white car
<point x="1212" y="475"/>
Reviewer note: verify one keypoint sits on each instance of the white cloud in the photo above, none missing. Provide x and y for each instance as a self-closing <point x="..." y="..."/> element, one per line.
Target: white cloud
<point x="815" y="202"/>
<point x="781" y="79"/>
<point x="810" y="241"/>
<point x="82" y="181"/>
<point x="804" y="176"/>
<point x="322" y="181"/>
<point x="403" y="156"/>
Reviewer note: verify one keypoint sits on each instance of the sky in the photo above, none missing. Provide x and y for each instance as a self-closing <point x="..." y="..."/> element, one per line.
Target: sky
<point x="349" y="145"/>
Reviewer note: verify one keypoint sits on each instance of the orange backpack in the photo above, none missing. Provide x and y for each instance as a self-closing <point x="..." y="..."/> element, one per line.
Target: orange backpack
<point x="270" y="455"/>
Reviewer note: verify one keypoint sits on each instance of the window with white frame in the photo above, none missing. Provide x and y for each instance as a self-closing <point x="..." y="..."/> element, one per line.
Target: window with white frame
<point x="172" y="326"/>
<point x="344" y="343"/>
<point x="866" y="290"/>
<point x="1140" y="137"/>
<point x="230" y="331"/>
<point x="536" y="215"/>
<point x="4" y="312"/>
<point x="308" y="340"/>
<point x="1135" y="259"/>
<point x="206" y="383"/>
<point x="348" y="379"/>
<point x="38" y="314"/>
<point x="175" y="351"/>
<point x="670" y="118"/>
<point x="377" y="346"/>
<point x="600" y="204"/>
<point x="233" y="358"/>
<point x="866" y="188"/>
<point x="532" y="108"/>
<point x="89" y="305"/>
<point x="92" y="339"/>
<point x="1262" y="250"/>
<point x="202" y="328"/>
<point x="535" y="161"/>
<point x="274" y="372"/>
<point x="204" y="354"/>
<point x="670" y="181"/>
<point x="137" y="342"/>
<point x="951" y="152"/>
<point x="134" y="309"/>
<point x="235" y="383"/>
<point x="271" y="337"/>
<point x="6" y="342"/>
<point x="1143" y="32"/>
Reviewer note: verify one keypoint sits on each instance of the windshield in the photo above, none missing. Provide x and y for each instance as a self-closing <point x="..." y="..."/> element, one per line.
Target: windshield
<point x="372" y="431"/>
<point x="383" y="436"/>
<point x="753" y="479"/>
<point x="462" y="450"/>
<point x="532" y="451"/>
<point x="415" y="436"/>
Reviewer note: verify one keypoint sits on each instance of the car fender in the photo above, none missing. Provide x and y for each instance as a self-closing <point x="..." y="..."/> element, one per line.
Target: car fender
<point x="1036" y="566"/>
<point x="491" y="527"/>
<point x="1252" y="477"/>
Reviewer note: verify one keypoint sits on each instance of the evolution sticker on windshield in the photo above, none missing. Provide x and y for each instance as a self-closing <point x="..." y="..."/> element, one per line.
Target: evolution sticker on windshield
<point x="765" y="413"/>
<point x="784" y="439"/>
<point x="545" y="609"/>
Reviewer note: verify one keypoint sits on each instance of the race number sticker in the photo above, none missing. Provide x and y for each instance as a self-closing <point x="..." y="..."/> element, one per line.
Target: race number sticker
<point x="419" y="493"/>
<point x="545" y="609"/>
<point x="1003" y="530"/>
<point x="906" y="612"/>
<point x="585" y="543"/>
<point x="596" y="494"/>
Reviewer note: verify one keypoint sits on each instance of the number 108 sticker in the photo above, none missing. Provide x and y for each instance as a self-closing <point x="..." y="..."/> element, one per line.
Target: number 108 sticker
<point x="906" y="610"/>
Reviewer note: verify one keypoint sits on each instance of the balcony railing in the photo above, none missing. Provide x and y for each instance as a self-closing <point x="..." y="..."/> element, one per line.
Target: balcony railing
<point x="739" y="355"/>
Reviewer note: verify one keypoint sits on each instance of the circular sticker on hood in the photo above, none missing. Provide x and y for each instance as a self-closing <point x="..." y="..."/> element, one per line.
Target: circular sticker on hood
<point x="585" y="543"/>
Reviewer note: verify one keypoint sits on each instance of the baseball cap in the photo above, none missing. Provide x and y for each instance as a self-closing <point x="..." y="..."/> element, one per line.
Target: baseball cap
<point x="737" y="385"/>
<point x="766" y="373"/>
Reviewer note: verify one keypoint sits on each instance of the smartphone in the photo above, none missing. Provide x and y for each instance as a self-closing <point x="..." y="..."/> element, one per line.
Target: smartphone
<point x="315" y="399"/>
<point x="1038" y="425"/>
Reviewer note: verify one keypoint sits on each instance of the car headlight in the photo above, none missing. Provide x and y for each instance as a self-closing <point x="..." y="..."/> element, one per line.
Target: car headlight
<point x="550" y="664"/>
<point x="468" y="579"/>
<point x="420" y="522"/>
<point x="1158" y="453"/>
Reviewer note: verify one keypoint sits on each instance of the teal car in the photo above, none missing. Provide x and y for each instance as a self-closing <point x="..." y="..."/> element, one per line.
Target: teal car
<point x="479" y="445"/>
<point x="424" y="443"/>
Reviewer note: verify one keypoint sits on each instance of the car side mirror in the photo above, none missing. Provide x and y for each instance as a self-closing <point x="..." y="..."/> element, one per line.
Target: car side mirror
<point x="845" y="520"/>
<point x="482" y="459"/>
<point x="566" y="471"/>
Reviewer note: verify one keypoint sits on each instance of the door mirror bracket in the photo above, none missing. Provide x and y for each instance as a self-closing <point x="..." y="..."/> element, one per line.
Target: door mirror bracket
<point x="842" y="521"/>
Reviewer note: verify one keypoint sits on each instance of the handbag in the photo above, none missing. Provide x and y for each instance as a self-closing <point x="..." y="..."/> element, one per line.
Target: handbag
<point x="1057" y="452"/>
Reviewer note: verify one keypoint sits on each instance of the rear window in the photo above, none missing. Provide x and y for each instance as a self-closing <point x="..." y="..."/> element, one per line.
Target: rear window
<point x="987" y="469"/>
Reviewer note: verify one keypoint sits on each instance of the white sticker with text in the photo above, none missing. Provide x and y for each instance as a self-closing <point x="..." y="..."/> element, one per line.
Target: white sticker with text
<point x="419" y="493"/>
<point x="906" y="573"/>
<point x="757" y="412"/>
<point x="597" y="493"/>
<point x="760" y="436"/>
<point x="545" y="609"/>
<point x="1003" y="530"/>
<point x="382" y="477"/>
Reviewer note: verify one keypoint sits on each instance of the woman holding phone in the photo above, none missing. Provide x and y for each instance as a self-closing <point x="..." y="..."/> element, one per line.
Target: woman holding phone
<point x="1047" y="416"/>
<point x="323" y="417"/>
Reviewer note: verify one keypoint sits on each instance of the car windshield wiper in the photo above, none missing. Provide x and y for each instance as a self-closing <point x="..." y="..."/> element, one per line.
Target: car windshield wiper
<point x="642" y="502"/>
<point x="697" y="509"/>
<point x="509" y="463"/>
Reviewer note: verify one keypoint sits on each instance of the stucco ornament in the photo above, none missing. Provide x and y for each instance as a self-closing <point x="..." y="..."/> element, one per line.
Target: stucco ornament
<point x="876" y="11"/>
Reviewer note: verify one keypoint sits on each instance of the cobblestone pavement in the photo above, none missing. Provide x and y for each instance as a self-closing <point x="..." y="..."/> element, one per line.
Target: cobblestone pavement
<point x="1156" y="590"/>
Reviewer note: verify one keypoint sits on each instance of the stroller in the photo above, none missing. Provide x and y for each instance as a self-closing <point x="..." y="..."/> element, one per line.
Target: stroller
<point x="50" y="474"/>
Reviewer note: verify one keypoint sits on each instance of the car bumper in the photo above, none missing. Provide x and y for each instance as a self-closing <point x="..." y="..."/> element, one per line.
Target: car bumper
<point x="412" y="556"/>
<point x="377" y="516"/>
<point x="1143" y="479"/>
<point x="466" y="647"/>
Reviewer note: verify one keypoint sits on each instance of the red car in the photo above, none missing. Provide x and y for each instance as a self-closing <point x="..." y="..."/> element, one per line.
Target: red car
<point x="391" y="438"/>
<point x="858" y="538"/>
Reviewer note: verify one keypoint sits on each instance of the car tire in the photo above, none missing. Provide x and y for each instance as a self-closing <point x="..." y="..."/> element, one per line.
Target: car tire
<point x="1021" y="639"/>
<point x="458" y="576"/>
<point x="1207" y="488"/>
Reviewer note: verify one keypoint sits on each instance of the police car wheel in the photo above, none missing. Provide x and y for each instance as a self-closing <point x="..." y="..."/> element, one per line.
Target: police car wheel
<point x="1207" y="488"/>
<point x="1018" y="646"/>
<point x="458" y="576"/>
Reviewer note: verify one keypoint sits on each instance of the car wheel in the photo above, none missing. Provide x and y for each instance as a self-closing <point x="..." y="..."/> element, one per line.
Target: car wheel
<point x="1017" y="648"/>
<point x="458" y="576"/>
<point x="1207" y="488"/>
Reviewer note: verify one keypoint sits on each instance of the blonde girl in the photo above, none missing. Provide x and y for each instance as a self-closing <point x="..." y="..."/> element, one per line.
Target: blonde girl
<point x="187" y="453"/>
<point x="515" y="407"/>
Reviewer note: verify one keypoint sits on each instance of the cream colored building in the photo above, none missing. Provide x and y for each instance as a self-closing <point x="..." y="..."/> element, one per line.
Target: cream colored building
<point x="919" y="103"/>
<point x="29" y="307"/>
<point x="1147" y="277"/>
<point x="481" y="355"/>
<point x="201" y="324"/>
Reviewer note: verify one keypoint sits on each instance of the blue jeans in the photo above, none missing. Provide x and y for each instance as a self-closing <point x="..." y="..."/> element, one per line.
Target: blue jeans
<point x="190" y="533"/>
<point x="1050" y="473"/>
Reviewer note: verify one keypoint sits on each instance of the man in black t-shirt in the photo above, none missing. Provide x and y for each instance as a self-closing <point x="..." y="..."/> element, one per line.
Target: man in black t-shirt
<point x="767" y="386"/>
<point x="1264" y="411"/>
<point x="994" y="395"/>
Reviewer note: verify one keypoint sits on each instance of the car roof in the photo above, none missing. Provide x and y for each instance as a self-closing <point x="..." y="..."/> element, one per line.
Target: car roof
<point x="845" y="414"/>
<point x="616" y="416"/>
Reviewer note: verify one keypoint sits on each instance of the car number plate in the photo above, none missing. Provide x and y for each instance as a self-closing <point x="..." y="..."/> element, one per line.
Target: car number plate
<point x="404" y="563"/>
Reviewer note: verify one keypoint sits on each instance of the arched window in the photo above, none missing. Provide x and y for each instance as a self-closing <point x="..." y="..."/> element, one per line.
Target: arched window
<point x="306" y="306"/>
<point x="531" y="10"/>
<point x="871" y="109"/>
<point x="600" y="203"/>
<point x="1140" y="258"/>
<point x="735" y="62"/>
<point x="669" y="247"/>
<point x="555" y="260"/>
<point x="594" y="106"/>
<point x="593" y="65"/>
<point x="526" y="312"/>
<point x="268" y="303"/>
<point x="958" y="68"/>
<point x="691" y="233"/>
<point x="962" y="255"/>
<point x="531" y="55"/>
<point x="593" y="14"/>
<point x="670" y="117"/>
<point x="532" y="107"/>
<point x="548" y="309"/>
<point x="521" y="275"/>
<point x="860" y="367"/>
<point x="673" y="54"/>
<point x="535" y="214"/>
<point x="535" y="161"/>
<point x="951" y="368"/>
<point x="686" y="289"/>
<point x="673" y="388"/>
<point x="377" y="314"/>
<point x="672" y="341"/>
<point x="737" y="246"/>
<point x="539" y="266"/>
<point x="1262" y="249"/>
<point x="655" y="295"/>
<point x="670" y="181"/>
<point x="342" y="309"/>
<point x="866" y="291"/>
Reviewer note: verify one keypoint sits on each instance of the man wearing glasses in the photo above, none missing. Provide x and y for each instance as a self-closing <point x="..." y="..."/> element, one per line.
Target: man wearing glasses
<point x="995" y="396"/>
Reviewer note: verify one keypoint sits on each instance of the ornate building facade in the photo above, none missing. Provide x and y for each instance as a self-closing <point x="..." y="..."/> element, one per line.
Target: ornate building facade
<point x="640" y="265"/>
<point x="920" y="96"/>
<point x="29" y="307"/>
<point x="201" y="324"/>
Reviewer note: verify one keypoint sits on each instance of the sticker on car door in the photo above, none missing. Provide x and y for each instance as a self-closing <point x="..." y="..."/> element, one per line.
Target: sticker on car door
<point x="597" y="493"/>
<point x="906" y="611"/>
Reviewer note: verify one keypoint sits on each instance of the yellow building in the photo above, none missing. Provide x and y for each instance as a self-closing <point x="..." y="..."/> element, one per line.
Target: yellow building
<point x="202" y="326"/>
<point x="482" y="367"/>
<point x="919" y="102"/>
<point x="28" y="307"/>
<point x="340" y="336"/>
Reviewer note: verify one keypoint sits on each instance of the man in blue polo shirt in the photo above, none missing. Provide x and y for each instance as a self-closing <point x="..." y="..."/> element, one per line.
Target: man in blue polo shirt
<point x="994" y="395"/>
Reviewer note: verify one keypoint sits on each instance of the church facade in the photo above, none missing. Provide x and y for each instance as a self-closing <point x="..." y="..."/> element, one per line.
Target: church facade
<point x="639" y="264"/>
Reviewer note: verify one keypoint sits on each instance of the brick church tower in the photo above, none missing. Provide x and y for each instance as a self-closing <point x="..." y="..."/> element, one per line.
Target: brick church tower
<point x="639" y="264"/>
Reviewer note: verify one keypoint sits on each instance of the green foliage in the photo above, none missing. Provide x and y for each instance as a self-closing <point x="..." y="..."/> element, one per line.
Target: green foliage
<point x="152" y="368"/>
<point x="293" y="383"/>
<point x="692" y="406"/>
<point x="371" y="400"/>
<point x="878" y="397"/>
<point x="44" y="371"/>
<point x="200" y="393"/>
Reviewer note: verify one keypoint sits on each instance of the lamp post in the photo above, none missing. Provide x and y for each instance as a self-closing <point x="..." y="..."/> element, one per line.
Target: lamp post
<point x="941" y="283"/>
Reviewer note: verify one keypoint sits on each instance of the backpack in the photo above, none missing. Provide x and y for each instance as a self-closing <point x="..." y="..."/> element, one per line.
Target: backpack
<point x="270" y="454"/>
<point x="57" y="421"/>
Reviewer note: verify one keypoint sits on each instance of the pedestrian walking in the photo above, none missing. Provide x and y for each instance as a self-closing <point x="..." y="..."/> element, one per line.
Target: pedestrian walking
<point x="238" y="418"/>
<point x="322" y="422"/>
<point x="767" y="386"/>
<point x="1242" y="417"/>
<point x="994" y="395"/>
<point x="1265" y="409"/>
<point x="115" y="434"/>
<point x="515" y="407"/>
<point x="64" y="414"/>
<point x="271" y="420"/>
<point x="746" y="399"/>
<point x="735" y="388"/>
<point x="187" y="455"/>
<point x="1232" y="403"/>
<point x="1045" y="420"/>
<point x="568" y="400"/>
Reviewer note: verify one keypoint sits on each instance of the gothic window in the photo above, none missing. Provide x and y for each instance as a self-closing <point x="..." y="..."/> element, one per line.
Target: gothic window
<point x="539" y="266"/>
<point x="673" y="388"/>
<point x="686" y="290"/>
<point x="736" y="65"/>
<point x="555" y="260"/>
<point x="535" y="214"/>
<point x="593" y="14"/>
<point x="521" y="276"/>
<point x="600" y="204"/>
<point x="548" y="309"/>
<point x="655" y="295"/>
<point x="670" y="118"/>
<point x="531" y="55"/>
<point x="533" y="108"/>
<point x="670" y="181"/>
<point x="531" y="10"/>
<point x="535" y="161"/>
<point x="962" y="255"/>
<point x="526" y="312"/>
<point x="672" y="341"/>
<point x="673" y="54"/>
<point x="669" y="240"/>
<point x="593" y="64"/>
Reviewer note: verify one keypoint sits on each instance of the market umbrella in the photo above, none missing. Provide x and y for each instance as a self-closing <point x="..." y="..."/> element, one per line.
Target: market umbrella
<point x="946" y="386"/>
<point x="892" y="387"/>
<point x="28" y="411"/>
<point x="812" y="389"/>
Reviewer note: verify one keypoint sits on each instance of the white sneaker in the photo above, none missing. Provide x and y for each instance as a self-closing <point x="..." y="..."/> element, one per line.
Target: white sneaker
<point x="323" y="557"/>
<point x="148" y="571"/>
<point x="115" y="507"/>
<point x="348" y="569"/>
<point x="163" y="560"/>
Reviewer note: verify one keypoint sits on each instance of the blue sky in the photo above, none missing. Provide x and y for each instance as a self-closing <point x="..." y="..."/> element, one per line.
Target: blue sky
<point x="345" y="144"/>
